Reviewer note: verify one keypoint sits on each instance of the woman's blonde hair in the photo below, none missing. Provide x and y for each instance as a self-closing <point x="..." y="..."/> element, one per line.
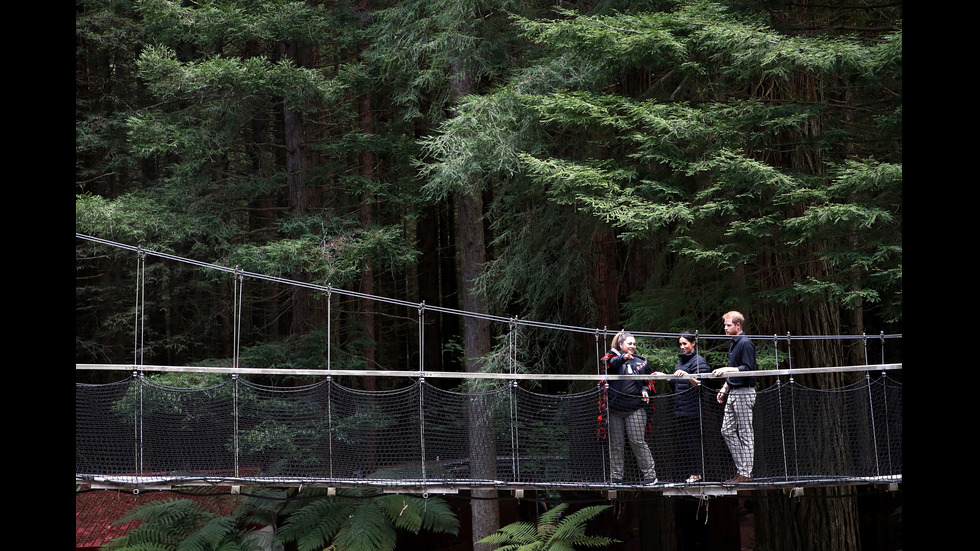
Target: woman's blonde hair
<point x="619" y="338"/>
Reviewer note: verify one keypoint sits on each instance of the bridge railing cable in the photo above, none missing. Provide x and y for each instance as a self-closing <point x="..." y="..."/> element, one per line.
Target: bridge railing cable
<point x="417" y="435"/>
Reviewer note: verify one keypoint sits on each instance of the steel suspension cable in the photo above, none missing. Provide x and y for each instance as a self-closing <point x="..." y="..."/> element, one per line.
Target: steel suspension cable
<point x="408" y="304"/>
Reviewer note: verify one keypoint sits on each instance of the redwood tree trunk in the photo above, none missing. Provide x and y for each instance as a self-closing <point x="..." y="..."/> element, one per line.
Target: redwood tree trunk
<point x="476" y="343"/>
<point x="826" y="518"/>
<point x="299" y="157"/>
<point x="472" y="248"/>
<point x="366" y="306"/>
<point x="606" y="291"/>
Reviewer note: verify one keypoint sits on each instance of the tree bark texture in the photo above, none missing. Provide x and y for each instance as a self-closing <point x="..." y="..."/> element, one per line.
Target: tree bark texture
<point x="476" y="344"/>
<point x="302" y="198"/>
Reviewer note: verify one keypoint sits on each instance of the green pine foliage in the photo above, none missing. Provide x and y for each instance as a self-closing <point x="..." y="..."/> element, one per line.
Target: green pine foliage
<point x="184" y="152"/>
<point x="745" y="162"/>
<point x="720" y="161"/>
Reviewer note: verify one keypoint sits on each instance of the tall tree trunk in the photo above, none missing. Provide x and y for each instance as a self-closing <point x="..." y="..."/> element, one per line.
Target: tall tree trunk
<point x="366" y="306"/>
<point x="606" y="281"/>
<point x="471" y="245"/>
<point x="301" y="196"/>
<point x="431" y="286"/>
<point x="824" y="519"/>
<point x="827" y="518"/>
<point x="476" y="344"/>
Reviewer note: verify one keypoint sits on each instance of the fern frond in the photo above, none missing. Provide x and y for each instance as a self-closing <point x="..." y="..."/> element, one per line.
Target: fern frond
<point x="366" y="529"/>
<point x="517" y="532"/>
<point x="437" y="516"/>
<point x="164" y="524"/>
<point x="220" y="531"/>
<point x="574" y="524"/>
<point x="316" y="523"/>
<point x="591" y="541"/>
<point x="551" y="516"/>
<point x="402" y="511"/>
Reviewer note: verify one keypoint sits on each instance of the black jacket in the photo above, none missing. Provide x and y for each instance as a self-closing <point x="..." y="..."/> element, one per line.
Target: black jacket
<point x="626" y="395"/>
<point x="686" y="401"/>
<point x="741" y="354"/>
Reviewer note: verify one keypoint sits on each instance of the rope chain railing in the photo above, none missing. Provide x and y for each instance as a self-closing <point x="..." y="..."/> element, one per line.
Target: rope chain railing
<point x="418" y="434"/>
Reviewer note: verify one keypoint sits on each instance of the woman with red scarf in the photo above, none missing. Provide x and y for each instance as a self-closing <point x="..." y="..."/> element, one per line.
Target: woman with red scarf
<point x="626" y="402"/>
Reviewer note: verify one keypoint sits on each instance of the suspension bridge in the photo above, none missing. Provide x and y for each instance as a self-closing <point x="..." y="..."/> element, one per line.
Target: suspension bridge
<point x="492" y="431"/>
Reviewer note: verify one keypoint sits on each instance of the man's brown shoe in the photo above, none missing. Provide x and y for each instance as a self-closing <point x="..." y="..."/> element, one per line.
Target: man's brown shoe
<point x="738" y="478"/>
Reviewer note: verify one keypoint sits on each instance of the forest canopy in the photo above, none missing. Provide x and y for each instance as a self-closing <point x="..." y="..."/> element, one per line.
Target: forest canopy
<point x="601" y="164"/>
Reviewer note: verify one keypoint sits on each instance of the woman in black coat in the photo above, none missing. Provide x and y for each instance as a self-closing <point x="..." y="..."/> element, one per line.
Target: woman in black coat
<point x="628" y="400"/>
<point x="687" y="403"/>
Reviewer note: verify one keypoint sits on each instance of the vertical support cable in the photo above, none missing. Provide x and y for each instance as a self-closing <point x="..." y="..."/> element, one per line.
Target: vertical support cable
<point x="884" y="391"/>
<point x="874" y="432"/>
<point x="603" y="393"/>
<point x="789" y="354"/>
<point x="330" y="422"/>
<point x="329" y="380"/>
<point x="329" y="320"/>
<point x="140" y="305"/>
<point x="421" y="338"/>
<point x="138" y="357"/>
<point x="871" y="407"/>
<point x="238" y="291"/>
<point x="422" y="388"/>
<point x="779" y="393"/>
<point x="235" y="417"/>
<point x="515" y="470"/>
<point x="864" y="341"/>
<point x="700" y="395"/>
<point x="796" y="440"/>
<point x="888" y="430"/>
<point x="598" y="371"/>
<point x="881" y="335"/>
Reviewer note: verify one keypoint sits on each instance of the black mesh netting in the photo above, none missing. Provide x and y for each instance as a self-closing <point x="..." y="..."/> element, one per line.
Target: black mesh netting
<point x="507" y="434"/>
